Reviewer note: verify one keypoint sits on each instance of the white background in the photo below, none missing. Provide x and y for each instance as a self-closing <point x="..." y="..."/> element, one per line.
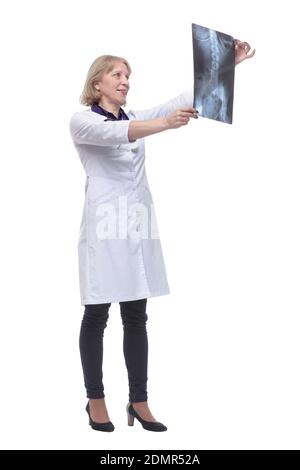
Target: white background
<point x="224" y="346"/>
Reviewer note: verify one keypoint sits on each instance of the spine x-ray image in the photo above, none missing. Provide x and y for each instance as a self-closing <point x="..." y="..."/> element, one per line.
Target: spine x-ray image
<point x="214" y="65"/>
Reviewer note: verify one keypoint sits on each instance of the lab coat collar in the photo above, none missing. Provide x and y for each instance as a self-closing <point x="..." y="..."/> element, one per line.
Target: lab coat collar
<point x="98" y="109"/>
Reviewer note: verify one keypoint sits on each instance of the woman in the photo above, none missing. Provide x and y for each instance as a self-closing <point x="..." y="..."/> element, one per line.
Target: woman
<point x="120" y="255"/>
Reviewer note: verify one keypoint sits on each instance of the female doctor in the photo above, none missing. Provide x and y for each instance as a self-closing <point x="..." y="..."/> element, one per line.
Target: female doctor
<point x="119" y="250"/>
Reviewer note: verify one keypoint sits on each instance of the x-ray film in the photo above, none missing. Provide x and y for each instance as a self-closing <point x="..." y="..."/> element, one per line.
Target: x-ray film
<point x="214" y="66"/>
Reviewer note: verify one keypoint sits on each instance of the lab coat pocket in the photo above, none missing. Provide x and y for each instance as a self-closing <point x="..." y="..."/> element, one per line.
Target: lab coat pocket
<point x="103" y="207"/>
<point x="130" y="147"/>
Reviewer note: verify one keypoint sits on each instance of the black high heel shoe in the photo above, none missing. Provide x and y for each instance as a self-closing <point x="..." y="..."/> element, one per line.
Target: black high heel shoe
<point x="108" y="426"/>
<point x="149" y="425"/>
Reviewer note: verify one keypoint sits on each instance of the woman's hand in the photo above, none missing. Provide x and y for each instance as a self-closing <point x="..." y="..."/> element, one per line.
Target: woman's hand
<point x="180" y="117"/>
<point x="241" y="51"/>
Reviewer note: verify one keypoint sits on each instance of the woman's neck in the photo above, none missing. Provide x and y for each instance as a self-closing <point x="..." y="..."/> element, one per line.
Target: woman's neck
<point x="110" y="107"/>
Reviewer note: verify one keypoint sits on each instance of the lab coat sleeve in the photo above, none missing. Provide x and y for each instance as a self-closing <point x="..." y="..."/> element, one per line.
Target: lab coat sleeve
<point x="184" y="100"/>
<point x="85" y="129"/>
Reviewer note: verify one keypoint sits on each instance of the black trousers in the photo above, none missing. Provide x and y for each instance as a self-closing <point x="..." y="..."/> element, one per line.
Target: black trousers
<point x="135" y="347"/>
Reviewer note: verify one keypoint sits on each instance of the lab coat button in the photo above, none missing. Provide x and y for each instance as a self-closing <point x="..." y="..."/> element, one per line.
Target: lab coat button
<point x="134" y="149"/>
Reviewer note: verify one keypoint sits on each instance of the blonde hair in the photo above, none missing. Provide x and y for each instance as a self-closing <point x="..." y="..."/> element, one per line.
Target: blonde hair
<point x="101" y="65"/>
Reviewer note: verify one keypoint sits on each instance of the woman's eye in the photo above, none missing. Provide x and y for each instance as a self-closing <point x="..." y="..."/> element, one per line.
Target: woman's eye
<point x="118" y="74"/>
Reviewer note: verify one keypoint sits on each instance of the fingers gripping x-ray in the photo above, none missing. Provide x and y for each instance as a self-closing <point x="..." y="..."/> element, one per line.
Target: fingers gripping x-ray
<point x="214" y="66"/>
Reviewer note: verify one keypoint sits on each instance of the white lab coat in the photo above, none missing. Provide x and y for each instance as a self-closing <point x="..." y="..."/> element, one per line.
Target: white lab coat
<point x="119" y="250"/>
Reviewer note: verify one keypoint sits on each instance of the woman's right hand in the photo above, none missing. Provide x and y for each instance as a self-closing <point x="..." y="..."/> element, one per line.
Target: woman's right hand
<point x="181" y="117"/>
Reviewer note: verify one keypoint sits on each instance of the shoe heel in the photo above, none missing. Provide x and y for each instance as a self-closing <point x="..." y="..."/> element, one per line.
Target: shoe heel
<point x="130" y="418"/>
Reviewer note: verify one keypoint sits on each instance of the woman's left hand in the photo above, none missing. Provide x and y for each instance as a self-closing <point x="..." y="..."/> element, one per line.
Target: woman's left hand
<point x="241" y="51"/>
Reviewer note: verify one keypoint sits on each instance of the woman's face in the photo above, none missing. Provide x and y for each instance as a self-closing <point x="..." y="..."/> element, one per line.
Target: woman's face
<point x="114" y="85"/>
